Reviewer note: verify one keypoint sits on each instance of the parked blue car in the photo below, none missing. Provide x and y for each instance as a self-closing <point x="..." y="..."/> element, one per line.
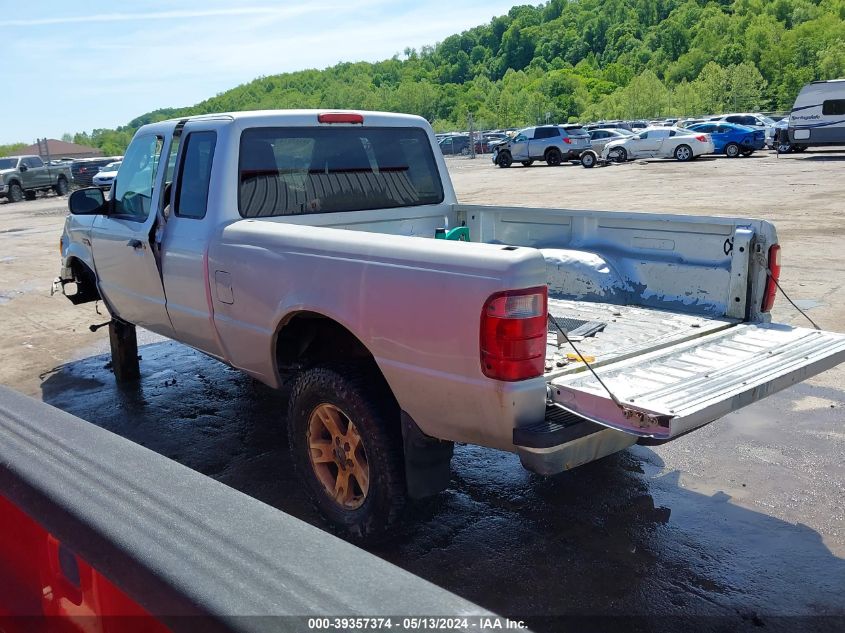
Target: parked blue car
<point x="732" y="139"/>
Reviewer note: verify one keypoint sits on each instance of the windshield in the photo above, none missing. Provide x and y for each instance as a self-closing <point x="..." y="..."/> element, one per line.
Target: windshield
<point x="110" y="167"/>
<point x="768" y="120"/>
<point x="8" y="163"/>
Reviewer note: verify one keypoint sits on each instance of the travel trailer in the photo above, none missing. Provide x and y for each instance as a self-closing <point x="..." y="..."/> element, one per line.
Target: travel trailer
<point x="818" y="116"/>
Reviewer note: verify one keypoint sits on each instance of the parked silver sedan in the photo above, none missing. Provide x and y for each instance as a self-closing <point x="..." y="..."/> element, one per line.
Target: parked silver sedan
<point x="601" y="137"/>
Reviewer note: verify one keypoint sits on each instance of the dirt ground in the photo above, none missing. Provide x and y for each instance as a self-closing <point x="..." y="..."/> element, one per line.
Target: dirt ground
<point x="725" y="523"/>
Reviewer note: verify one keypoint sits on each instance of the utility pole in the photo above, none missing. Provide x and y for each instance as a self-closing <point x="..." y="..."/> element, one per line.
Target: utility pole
<point x="471" y="137"/>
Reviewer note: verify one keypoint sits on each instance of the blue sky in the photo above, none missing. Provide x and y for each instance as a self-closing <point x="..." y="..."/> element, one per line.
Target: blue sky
<point x="71" y="66"/>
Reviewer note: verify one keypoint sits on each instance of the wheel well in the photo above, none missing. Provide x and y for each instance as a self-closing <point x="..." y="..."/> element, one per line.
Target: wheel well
<point x="550" y="149"/>
<point x="85" y="280"/>
<point x="309" y="338"/>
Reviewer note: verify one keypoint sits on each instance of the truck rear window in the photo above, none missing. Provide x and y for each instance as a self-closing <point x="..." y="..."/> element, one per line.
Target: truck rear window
<point x="291" y="171"/>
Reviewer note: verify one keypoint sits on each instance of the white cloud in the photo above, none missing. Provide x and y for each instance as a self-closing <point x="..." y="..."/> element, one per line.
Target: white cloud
<point x="172" y="15"/>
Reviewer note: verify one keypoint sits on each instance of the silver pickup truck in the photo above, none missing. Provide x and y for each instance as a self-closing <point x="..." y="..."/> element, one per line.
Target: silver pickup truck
<point x="300" y="247"/>
<point x="24" y="176"/>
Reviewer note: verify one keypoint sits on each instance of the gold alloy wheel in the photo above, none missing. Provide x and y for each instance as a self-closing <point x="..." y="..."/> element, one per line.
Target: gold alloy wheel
<point x="338" y="456"/>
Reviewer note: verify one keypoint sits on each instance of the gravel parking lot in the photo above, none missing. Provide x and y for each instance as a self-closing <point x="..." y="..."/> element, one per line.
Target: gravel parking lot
<point x="738" y="525"/>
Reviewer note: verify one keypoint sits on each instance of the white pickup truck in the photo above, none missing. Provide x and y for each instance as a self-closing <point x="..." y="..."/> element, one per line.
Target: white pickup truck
<point x="299" y="247"/>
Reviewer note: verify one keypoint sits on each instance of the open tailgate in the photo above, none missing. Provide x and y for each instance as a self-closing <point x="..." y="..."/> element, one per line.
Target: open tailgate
<point x="676" y="389"/>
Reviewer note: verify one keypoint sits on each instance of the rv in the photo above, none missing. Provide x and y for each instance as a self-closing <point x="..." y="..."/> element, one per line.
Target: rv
<point x="818" y="116"/>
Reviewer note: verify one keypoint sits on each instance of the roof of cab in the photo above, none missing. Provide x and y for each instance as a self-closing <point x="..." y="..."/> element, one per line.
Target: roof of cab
<point x="302" y="117"/>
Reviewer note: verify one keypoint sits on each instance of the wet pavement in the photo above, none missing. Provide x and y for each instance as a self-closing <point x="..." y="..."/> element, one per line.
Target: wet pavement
<point x="736" y="526"/>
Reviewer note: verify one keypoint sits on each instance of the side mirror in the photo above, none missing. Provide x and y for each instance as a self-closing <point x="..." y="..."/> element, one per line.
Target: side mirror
<point x="23" y="168"/>
<point x="88" y="201"/>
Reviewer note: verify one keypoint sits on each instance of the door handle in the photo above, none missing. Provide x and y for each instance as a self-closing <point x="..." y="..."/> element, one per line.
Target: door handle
<point x="136" y="244"/>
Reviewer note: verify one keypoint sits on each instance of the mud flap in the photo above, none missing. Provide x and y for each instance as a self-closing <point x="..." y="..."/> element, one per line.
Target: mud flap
<point x="427" y="460"/>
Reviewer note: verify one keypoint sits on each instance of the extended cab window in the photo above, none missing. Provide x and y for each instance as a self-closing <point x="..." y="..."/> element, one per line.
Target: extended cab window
<point x="289" y="171"/>
<point x="195" y="174"/>
<point x="834" y="106"/>
<point x="134" y="187"/>
<point x="33" y="161"/>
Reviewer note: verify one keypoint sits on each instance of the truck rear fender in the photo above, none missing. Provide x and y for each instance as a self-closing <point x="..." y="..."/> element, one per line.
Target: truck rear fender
<point x="306" y="338"/>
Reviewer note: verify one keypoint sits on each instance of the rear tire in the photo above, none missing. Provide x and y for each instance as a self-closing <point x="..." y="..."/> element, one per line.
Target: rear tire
<point x="15" y="192"/>
<point x="553" y="157"/>
<point x="60" y="188"/>
<point x="731" y="150"/>
<point x="346" y="445"/>
<point x="747" y="152"/>
<point x="588" y="160"/>
<point x="504" y="160"/>
<point x="784" y="147"/>
<point x="683" y="153"/>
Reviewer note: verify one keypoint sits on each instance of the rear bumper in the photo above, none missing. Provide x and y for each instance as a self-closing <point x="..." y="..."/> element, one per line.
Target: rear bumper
<point x="563" y="441"/>
<point x="753" y="145"/>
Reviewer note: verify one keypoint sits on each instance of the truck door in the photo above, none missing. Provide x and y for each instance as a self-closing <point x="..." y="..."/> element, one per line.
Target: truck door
<point x="190" y="286"/>
<point x="654" y="143"/>
<point x="519" y="147"/>
<point x="125" y="263"/>
<point x="36" y="174"/>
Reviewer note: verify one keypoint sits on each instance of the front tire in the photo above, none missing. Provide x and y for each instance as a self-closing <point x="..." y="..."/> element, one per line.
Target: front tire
<point x="553" y="157"/>
<point x="747" y="152"/>
<point x="683" y="153"/>
<point x="15" y="192"/>
<point x="617" y="155"/>
<point x="346" y="445"/>
<point x="784" y="147"/>
<point x="504" y="160"/>
<point x="732" y="150"/>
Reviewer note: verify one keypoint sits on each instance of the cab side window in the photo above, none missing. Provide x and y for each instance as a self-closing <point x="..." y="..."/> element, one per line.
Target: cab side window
<point x="134" y="186"/>
<point x="33" y="161"/>
<point x="195" y="175"/>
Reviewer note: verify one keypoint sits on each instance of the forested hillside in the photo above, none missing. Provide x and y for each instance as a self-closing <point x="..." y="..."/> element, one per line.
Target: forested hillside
<point x="574" y="59"/>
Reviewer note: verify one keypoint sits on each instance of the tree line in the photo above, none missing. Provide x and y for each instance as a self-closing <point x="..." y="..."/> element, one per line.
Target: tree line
<point x="570" y="60"/>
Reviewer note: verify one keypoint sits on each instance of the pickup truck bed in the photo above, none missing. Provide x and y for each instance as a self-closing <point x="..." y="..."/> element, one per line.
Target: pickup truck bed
<point x="627" y="331"/>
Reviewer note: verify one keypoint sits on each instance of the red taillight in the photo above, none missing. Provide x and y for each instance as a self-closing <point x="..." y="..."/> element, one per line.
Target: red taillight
<point x="340" y="117"/>
<point x="567" y="140"/>
<point x="771" y="286"/>
<point x="513" y="334"/>
<point x="701" y="137"/>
